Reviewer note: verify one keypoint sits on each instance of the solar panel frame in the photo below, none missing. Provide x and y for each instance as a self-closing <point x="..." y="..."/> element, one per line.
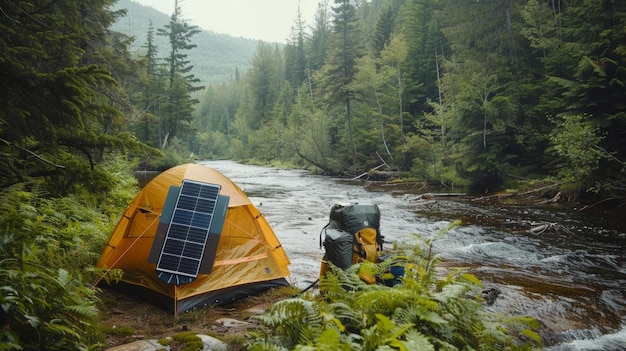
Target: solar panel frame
<point x="186" y="238"/>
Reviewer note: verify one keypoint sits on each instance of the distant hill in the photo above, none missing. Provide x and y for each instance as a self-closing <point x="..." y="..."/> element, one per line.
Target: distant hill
<point x="216" y="57"/>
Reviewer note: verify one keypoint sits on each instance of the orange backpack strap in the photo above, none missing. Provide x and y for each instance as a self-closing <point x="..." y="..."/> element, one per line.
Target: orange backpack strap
<point x="366" y="246"/>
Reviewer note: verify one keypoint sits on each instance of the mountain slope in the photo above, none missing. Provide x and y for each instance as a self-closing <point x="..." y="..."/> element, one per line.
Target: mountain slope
<point x="215" y="59"/>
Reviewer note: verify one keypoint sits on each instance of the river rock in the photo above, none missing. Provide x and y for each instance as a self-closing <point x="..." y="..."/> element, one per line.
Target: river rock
<point x="231" y="323"/>
<point x="490" y="295"/>
<point x="213" y="344"/>
<point x="258" y="309"/>
<point x="139" y="345"/>
<point x="210" y="344"/>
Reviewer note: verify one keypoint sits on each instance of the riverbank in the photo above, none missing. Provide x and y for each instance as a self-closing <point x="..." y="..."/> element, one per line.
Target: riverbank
<point x="125" y="319"/>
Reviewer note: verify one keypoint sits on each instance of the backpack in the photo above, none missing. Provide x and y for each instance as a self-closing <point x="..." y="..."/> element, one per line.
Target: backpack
<point x="352" y="235"/>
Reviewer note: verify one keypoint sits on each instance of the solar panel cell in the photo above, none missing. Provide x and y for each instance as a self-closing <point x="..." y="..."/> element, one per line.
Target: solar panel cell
<point x="173" y="247"/>
<point x="196" y="235"/>
<point x="201" y="220"/>
<point x="182" y="217"/>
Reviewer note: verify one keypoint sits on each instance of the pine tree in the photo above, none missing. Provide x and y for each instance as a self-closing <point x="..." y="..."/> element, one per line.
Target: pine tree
<point x="587" y="78"/>
<point x="59" y="103"/>
<point x="295" y="55"/>
<point x="320" y="37"/>
<point x="265" y="79"/>
<point x="153" y="93"/>
<point x="179" y="107"/>
<point x="421" y="27"/>
<point x="384" y="29"/>
<point x="340" y="67"/>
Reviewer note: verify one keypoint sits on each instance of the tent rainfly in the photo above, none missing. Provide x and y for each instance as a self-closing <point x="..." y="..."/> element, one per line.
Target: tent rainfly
<point x="192" y="237"/>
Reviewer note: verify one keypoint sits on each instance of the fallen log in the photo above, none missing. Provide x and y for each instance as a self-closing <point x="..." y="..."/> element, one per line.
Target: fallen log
<point x="515" y="194"/>
<point x="368" y="172"/>
<point x="430" y="196"/>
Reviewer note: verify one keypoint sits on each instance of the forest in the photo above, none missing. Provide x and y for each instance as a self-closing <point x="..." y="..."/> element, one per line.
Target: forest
<point x="490" y="95"/>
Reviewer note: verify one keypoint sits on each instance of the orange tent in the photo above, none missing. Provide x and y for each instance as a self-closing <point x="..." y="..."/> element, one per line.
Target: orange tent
<point x="248" y="258"/>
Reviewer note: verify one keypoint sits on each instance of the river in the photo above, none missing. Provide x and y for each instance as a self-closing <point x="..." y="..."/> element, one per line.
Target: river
<point x="571" y="277"/>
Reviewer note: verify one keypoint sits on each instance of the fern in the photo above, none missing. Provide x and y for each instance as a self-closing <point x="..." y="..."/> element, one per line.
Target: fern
<point x="423" y="316"/>
<point x="384" y="333"/>
<point x="382" y="300"/>
<point x="417" y="341"/>
<point x="340" y="315"/>
<point x="426" y="311"/>
<point x="296" y="319"/>
<point x="329" y="339"/>
<point x="47" y="245"/>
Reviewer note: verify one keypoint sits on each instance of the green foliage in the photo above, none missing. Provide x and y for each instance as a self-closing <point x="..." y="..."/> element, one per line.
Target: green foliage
<point x="178" y="103"/>
<point x="426" y="311"/>
<point x="44" y="308"/>
<point x="118" y="330"/>
<point x="56" y="116"/>
<point x="48" y="245"/>
<point x="577" y="142"/>
<point x="422" y="23"/>
<point x="176" y="153"/>
<point x="190" y="340"/>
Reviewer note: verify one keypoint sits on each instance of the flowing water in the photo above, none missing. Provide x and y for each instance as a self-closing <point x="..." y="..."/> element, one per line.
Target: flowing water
<point x="571" y="276"/>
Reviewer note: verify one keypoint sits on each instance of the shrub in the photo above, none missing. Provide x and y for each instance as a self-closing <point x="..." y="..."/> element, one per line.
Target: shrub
<point x="424" y="312"/>
<point x="48" y="246"/>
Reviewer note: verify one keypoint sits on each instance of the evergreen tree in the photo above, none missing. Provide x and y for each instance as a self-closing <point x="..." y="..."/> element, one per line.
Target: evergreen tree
<point x="265" y="79"/>
<point x="340" y="67"/>
<point x="379" y="81"/>
<point x="484" y="66"/>
<point x="295" y="55"/>
<point x="58" y="99"/>
<point x="178" y="110"/>
<point x="587" y="78"/>
<point x="320" y="37"/>
<point x="421" y="26"/>
<point x="62" y="119"/>
<point x="153" y="94"/>
<point x="384" y="28"/>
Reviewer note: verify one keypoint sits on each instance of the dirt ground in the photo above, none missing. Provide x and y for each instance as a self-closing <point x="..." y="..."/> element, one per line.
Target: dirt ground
<point x="125" y="318"/>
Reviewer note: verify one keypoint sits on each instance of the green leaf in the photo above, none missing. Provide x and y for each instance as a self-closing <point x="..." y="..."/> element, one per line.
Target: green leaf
<point x="472" y="279"/>
<point x="417" y="341"/>
<point x="63" y="277"/>
<point x="534" y="336"/>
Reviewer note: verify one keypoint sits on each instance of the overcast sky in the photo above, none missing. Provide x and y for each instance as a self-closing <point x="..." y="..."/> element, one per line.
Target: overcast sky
<point x="268" y="20"/>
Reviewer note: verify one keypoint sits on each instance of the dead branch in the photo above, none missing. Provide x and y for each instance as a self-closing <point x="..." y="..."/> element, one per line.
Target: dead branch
<point x="368" y="172"/>
<point x="8" y="143"/>
<point x="586" y="207"/>
<point x="525" y="193"/>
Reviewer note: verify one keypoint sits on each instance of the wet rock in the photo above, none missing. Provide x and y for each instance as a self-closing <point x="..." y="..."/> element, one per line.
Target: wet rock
<point x="231" y="323"/>
<point x="117" y="311"/>
<point x="140" y="345"/>
<point x="258" y="309"/>
<point x="210" y="344"/>
<point x="490" y="295"/>
<point x="213" y="344"/>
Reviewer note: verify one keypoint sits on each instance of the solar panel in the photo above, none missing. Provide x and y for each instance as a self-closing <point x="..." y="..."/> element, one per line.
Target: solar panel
<point x="186" y="237"/>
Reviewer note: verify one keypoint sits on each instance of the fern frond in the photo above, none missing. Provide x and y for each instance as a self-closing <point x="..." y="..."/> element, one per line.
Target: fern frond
<point x="329" y="339"/>
<point x="340" y="314"/>
<point x="417" y="341"/>
<point x="451" y="291"/>
<point x="85" y="310"/>
<point x="421" y="315"/>
<point x="382" y="300"/>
